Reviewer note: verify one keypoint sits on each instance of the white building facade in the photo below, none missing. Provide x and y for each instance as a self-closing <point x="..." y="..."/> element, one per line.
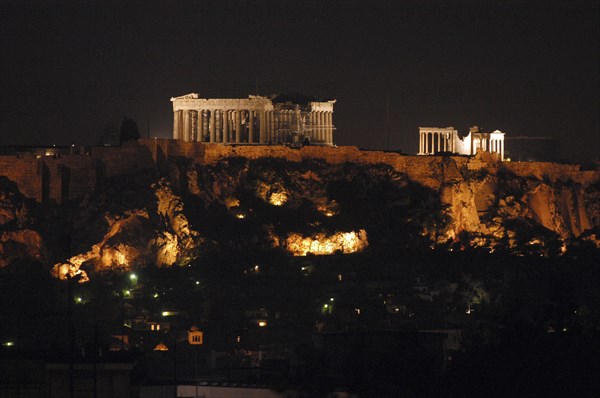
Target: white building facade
<point x="254" y="120"/>
<point x="435" y="140"/>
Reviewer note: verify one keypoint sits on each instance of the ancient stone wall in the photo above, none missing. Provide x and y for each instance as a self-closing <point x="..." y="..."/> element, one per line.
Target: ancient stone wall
<point x="26" y="172"/>
<point x="73" y="176"/>
<point x="68" y="177"/>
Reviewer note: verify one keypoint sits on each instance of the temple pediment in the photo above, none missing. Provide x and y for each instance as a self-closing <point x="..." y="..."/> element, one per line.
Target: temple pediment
<point x="186" y="96"/>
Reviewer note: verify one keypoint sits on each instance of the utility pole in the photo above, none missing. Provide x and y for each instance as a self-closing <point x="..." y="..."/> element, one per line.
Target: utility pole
<point x="387" y="120"/>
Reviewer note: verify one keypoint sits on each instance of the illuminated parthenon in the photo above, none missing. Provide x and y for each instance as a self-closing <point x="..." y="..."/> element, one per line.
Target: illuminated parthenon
<point x="255" y="120"/>
<point x="434" y="140"/>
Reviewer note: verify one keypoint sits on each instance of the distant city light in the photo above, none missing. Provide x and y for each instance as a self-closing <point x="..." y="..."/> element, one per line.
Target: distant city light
<point x="197" y="282"/>
<point x="332" y="299"/>
<point x="133" y="277"/>
<point x="155" y="295"/>
<point x="168" y="313"/>
<point x="78" y="300"/>
<point x="357" y="310"/>
<point x="262" y="324"/>
<point x="8" y="343"/>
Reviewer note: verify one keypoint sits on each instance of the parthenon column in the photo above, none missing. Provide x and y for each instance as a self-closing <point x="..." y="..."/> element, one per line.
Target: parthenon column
<point x="250" y="126"/>
<point x="218" y="125"/>
<point x="320" y="123"/>
<point x="201" y="130"/>
<point x="225" y="126"/>
<point x="186" y="125"/>
<point x="314" y="125"/>
<point x="330" y="128"/>
<point x="238" y="125"/>
<point x="262" y="132"/>
<point x="271" y="137"/>
<point x="429" y="142"/>
<point x="176" y="132"/>
<point x="211" y="125"/>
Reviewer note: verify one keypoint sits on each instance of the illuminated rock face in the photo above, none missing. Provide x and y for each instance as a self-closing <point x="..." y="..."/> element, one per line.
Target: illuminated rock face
<point x="322" y="244"/>
<point x="306" y="206"/>
<point x="133" y="240"/>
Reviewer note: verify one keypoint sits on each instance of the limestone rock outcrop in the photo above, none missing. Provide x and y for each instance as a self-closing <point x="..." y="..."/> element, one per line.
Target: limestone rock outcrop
<point x="135" y="239"/>
<point x="306" y="201"/>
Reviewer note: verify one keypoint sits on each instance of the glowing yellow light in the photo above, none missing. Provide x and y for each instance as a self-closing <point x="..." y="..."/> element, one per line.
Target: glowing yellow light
<point x="240" y="215"/>
<point x="238" y="339"/>
<point x="278" y="198"/>
<point x="161" y="347"/>
<point x="127" y="293"/>
<point x="262" y="324"/>
<point x="168" y="313"/>
<point x="331" y="299"/>
<point x="325" y="305"/>
<point x="197" y="282"/>
<point x="357" y="310"/>
<point x="79" y="299"/>
<point x="339" y="277"/>
<point x="8" y="343"/>
<point x="133" y="277"/>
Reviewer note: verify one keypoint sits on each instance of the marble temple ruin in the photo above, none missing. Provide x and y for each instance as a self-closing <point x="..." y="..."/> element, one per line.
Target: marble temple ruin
<point x="434" y="140"/>
<point x="256" y="120"/>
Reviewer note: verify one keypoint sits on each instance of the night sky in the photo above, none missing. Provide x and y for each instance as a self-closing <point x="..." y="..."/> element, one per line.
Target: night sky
<point x="67" y="69"/>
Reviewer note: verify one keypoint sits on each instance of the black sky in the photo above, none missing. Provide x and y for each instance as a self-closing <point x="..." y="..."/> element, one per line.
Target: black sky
<point x="526" y="68"/>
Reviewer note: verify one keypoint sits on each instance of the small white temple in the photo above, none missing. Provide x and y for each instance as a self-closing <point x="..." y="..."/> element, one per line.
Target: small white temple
<point x="435" y="140"/>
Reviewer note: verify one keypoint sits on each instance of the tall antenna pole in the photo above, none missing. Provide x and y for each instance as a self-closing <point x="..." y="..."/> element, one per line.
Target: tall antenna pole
<point x="387" y="120"/>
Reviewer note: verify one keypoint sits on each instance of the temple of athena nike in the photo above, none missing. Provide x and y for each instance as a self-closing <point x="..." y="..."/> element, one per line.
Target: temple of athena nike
<point x="256" y="120"/>
<point x="434" y="140"/>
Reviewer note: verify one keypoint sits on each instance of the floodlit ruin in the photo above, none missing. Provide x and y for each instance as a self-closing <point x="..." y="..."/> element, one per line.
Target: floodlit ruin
<point x="274" y="120"/>
<point x="322" y="244"/>
<point x="434" y="140"/>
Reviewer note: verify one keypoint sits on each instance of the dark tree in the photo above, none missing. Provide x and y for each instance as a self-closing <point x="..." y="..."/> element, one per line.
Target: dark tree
<point x="110" y="134"/>
<point x="129" y="130"/>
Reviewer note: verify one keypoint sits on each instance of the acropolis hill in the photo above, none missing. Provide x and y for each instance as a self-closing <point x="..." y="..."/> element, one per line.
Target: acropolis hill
<point x="477" y="200"/>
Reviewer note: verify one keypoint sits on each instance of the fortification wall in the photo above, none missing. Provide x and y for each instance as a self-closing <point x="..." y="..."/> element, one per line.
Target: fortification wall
<point x="26" y="173"/>
<point x="552" y="171"/>
<point x="429" y="170"/>
<point x="74" y="176"/>
<point x="130" y="158"/>
<point x="68" y="177"/>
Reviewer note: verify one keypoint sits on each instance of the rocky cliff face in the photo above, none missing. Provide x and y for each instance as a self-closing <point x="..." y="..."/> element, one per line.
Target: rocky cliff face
<point x="305" y="207"/>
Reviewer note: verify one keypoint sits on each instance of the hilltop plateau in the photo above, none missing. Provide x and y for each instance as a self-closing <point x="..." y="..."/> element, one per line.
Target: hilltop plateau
<point x="162" y="203"/>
